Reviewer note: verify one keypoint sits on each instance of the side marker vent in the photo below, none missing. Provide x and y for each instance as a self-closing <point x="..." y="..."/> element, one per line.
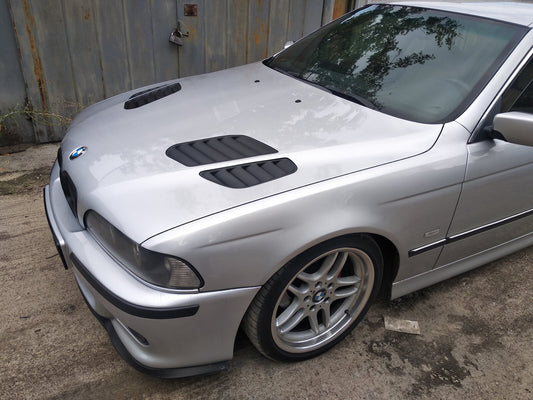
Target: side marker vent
<point x="217" y="149"/>
<point x="247" y="175"/>
<point x="144" y="97"/>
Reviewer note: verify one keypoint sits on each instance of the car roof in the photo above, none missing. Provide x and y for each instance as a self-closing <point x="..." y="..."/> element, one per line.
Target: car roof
<point x="514" y="12"/>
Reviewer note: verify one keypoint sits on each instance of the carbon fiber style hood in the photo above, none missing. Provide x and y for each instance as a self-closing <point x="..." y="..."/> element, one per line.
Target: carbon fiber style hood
<point x="126" y="175"/>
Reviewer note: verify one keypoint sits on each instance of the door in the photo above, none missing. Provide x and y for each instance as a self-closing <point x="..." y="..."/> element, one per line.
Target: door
<point x="226" y="33"/>
<point x="496" y="202"/>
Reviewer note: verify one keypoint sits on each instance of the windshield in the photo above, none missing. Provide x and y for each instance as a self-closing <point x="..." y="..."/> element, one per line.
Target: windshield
<point x="418" y="64"/>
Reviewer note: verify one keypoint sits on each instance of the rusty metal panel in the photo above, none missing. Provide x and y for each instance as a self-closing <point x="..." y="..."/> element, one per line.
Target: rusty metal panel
<point x="278" y="22"/>
<point x="228" y="33"/>
<point x="313" y="15"/>
<point x="84" y="52"/>
<point x="112" y="45"/>
<point x="30" y="61"/>
<point x="340" y="8"/>
<point x="164" y="20"/>
<point x="138" y="22"/>
<point x="295" y="25"/>
<point x="305" y="16"/>
<point x="15" y="127"/>
<point x="192" y="53"/>
<point x="237" y="33"/>
<point x="258" y="12"/>
<point x="327" y="11"/>
<point x="57" y="72"/>
<point x="215" y="38"/>
<point x="41" y="30"/>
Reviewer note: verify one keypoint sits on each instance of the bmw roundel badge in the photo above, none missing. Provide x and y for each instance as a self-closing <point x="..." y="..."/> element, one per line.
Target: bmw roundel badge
<point x="77" y="152"/>
<point x="319" y="296"/>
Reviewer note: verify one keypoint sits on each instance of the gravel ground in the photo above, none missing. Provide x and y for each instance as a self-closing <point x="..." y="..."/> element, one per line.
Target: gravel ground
<point x="475" y="343"/>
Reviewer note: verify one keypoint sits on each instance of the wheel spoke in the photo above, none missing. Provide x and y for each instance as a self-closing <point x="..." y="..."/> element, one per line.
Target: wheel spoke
<point x="326" y="313"/>
<point x="293" y="321"/>
<point x="328" y="263"/>
<point x="348" y="280"/>
<point x="343" y="293"/>
<point x="299" y="291"/>
<point x="313" y="321"/>
<point x="337" y="266"/>
<point x="309" y="279"/>
<point x="289" y="312"/>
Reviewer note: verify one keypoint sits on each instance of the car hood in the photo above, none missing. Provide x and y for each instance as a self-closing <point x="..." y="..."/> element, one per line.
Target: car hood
<point x="126" y="176"/>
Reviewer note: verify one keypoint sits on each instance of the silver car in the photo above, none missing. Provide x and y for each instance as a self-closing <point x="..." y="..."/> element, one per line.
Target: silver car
<point x="388" y="150"/>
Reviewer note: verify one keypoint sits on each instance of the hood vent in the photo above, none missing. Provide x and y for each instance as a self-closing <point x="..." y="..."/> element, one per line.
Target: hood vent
<point x="247" y="175"/>
<point x="144" y="97"/>
<point x="217" y="149"/>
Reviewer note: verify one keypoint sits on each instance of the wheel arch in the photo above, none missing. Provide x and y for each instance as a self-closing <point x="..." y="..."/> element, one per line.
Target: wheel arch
<point x="389" y="252"/>
<point x="384" y="251"/>
<point x="391" y="263"/>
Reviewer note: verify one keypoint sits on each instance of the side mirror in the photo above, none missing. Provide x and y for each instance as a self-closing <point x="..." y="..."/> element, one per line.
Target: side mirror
<point x="288" y="44"/>
<point x="516" y="127"/>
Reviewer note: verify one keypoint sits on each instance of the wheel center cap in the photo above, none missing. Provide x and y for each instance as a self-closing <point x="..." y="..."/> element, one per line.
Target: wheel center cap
<point x="319" y="296"/>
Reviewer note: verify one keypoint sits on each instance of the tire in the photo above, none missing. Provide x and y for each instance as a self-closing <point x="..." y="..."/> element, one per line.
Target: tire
<point x="316" y="299"/>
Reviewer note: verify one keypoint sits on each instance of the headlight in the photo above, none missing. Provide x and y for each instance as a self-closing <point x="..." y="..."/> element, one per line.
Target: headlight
<point x="156" y="268"/>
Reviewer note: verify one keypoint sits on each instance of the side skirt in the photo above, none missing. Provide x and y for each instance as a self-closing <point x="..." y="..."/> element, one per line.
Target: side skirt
<point x="458" y="267"/>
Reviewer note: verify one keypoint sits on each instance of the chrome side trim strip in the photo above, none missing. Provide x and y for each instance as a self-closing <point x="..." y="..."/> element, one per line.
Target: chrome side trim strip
<point x="492" y="225"/>
<point x="427" y="247"/>
<point x="471" y="232"/>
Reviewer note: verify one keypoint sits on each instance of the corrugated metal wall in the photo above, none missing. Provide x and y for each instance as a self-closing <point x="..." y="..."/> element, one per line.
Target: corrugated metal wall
<point x="59" y="56"/>
<point x="14" y="127"/>
<point x="353" y="4"/>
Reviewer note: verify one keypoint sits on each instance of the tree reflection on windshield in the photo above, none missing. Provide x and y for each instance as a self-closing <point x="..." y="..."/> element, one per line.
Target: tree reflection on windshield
<point x="371" y="51"/>
<point x="411" y="62"/>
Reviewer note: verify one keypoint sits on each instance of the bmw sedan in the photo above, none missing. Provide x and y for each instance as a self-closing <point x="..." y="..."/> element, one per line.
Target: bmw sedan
<point x="384" y="152"/>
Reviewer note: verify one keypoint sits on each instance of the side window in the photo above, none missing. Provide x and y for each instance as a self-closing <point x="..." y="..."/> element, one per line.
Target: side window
<point x="517" y="97"/>
<point x="525" y="101"/>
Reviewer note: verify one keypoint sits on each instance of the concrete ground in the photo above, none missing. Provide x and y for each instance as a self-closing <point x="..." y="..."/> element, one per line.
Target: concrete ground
<point x="475" y="343"/>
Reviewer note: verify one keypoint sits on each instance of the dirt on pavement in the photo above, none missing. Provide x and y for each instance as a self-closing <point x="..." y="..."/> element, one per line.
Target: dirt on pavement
<point x="475" y="343"/>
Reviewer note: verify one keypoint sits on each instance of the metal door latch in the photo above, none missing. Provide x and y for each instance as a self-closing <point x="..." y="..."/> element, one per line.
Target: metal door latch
<point x="176" y="36"/>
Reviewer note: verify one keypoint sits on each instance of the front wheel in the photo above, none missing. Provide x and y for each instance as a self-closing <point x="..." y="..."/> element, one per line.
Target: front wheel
<point x="316" y="299"/>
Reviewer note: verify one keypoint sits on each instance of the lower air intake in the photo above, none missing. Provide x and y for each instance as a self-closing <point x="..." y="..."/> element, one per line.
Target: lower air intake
<point x="247" y="175"/>
<point x="70" y="192"/>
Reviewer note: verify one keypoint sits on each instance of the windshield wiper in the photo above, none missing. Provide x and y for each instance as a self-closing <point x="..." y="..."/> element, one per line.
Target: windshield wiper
<point x="348" y="96"/>
<point x="286" y="72"/>
<point x="295" y="75"/>
<point x="353" y="97"/>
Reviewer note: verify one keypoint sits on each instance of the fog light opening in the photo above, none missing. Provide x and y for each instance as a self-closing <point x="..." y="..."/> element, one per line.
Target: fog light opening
<point x="140" y="338"/>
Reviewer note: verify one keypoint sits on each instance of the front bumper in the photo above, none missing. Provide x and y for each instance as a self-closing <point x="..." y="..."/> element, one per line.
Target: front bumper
<point x="160" y="332"/>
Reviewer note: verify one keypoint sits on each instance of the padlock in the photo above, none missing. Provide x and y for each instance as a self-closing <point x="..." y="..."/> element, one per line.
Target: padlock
<point x="176" y="37"/>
